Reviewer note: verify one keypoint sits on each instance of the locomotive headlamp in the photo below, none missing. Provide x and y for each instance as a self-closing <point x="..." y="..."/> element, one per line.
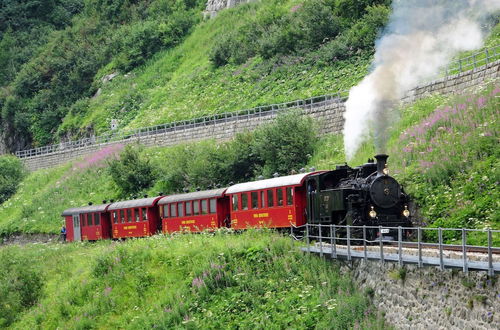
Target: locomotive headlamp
<point x="406" y="212"/>
<point x="385" y="170"/>
<point x="372" y="213"/>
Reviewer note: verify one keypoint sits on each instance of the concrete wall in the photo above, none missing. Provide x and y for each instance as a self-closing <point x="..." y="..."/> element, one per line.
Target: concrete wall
<point x="429" y="298"/>
<point x="328" y="113"/>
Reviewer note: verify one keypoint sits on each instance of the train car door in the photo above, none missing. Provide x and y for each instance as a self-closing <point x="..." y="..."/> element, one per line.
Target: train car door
<point x="76" y="228"/>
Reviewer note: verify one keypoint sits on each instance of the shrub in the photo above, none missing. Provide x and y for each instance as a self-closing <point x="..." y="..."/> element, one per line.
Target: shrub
<point x="286" y="144"/>
<point x="11" y="173"/>
<point x="131" y="173"/>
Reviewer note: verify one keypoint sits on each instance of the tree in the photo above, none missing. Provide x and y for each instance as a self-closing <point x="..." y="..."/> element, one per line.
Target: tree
<point x="11" y="173"/>
<point x="130" y="172"/>
<point x="285" y="144"/>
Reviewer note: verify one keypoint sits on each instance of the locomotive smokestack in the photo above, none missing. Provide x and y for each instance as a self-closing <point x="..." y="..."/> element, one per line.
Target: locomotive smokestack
<point x="381" y="163"/>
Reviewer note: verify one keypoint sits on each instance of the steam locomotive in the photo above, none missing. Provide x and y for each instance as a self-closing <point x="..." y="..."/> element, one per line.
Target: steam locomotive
<point x="364" y="195"/>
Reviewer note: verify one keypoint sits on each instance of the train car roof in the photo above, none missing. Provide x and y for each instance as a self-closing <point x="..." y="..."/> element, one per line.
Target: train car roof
<point x="86" y="209"/>
<point x="282" y="181"/>
<point x="150" y="201"/>
<point x="193" y="196"/>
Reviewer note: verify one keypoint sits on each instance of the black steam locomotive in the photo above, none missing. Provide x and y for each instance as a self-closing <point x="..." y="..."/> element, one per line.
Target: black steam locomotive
<point x="364" y="195"/>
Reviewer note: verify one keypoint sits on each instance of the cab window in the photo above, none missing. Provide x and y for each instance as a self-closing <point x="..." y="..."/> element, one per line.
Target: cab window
<point x="244" y="201"/>
<point x="255" y="199"/>
<point x="270" y="198"/>
<point x="235" y="202"/>
<point x="279" y="196"/>
<point x="180" y="209"/>
<point x="289" y="196"/>
<point x="204" y="206"/>
<point x="196" y="207"/>
<point x="213" y="205"/>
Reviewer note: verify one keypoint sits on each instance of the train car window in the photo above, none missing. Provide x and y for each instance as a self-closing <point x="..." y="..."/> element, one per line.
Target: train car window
<point x="97" y="219"/>
<point x="165" y="211"/>
<point x="144" y="214"/>
<point x="279" y="196"/>
<point x="235" y="202"/>
<point x="188" y="208"/>
<point x="213" y="205"/>
<point x="196" y="207"/>
<point x="129" y="215"/>
<point x="289" y="196"/>
<point x="270" y="198"/>
<point x="255" y="199"/>
<point x="180" y="209"/>
<point x="244" y="201"/>
<point x="83" y="220"/>
<point x="173" y="210"/>
<point x="115" y="216"/>
<point x="137" y="215"/>
<point x="122" y="216"/>
<point x="262" y="197"/>
<point x="204" y="206"/>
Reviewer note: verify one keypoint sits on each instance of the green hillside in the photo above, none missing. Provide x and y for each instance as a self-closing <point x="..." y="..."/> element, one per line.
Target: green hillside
<point x="211" y="281"/>
<point x="171" y="64"/>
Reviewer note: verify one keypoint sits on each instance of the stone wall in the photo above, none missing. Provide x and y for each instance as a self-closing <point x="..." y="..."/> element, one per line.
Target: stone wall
<point x="429" y="298"/>
<point x="328" y="113"/>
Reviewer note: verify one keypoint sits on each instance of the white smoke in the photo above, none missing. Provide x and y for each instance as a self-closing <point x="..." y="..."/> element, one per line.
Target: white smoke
<point x="421" y="38"/>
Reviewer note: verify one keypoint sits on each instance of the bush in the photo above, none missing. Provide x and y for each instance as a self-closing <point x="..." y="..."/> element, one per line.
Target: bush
<point x="11" y="173"/>
<point x="131" y="173"/>
<point x="286" y="144"/>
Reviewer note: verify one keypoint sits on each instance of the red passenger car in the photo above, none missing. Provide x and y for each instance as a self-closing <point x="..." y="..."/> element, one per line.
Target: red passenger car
<point x="135" y="218"/>
<point x="88" y="223"/>
<point x="195" y="211"/>
<point x="271" y="203"/>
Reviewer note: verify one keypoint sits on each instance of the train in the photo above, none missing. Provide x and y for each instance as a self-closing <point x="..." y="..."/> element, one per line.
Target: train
<point x="363" y="195"/>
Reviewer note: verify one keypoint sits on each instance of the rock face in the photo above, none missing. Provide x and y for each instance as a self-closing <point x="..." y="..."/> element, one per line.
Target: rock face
<point x="428" y="298"/>
<point x="214" y="6"/>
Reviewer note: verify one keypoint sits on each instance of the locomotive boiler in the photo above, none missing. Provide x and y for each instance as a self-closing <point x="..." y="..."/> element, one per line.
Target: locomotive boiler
<point x="364" y="195"/>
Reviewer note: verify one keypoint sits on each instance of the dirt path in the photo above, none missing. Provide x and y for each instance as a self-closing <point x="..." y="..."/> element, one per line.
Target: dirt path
<point x="22" y="239"/>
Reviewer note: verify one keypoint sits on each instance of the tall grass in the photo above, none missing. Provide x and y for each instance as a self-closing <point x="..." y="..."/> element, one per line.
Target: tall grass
<point x="254" y="280"/>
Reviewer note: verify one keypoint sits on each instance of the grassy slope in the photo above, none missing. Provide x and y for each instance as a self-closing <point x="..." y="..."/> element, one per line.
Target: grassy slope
<point x="252" y="280"/>
<point x="181" y="83"/>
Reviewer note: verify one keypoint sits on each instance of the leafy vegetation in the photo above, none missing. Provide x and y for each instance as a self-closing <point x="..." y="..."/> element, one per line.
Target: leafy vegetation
<point x="11" y="174"/>
<point x="256" y="279"/>
<point x="148" y="62"/>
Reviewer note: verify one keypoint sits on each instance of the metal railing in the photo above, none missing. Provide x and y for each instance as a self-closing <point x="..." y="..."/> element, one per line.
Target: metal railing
<point x="464" y="64"/>
<point x="442" y="247"/>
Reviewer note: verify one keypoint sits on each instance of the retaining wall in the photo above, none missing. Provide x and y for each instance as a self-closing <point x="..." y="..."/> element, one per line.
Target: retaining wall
<point x="429" y="298"/>
<point x="328" y="113"/>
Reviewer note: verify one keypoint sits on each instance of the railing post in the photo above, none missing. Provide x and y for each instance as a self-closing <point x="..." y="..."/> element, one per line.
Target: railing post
<point x="307" y="239"/>
<point x="487" y="56"/>
<point x="440" y="236"/>
<point x="490" y="255"/>
<point x="320" y="242"/>
<point x="334" y="250"/>
<point x="381" y="244"/>
<point x="364" y="242"/>
<point x="331" y="241"/>
<point x="460" y="65"/>
<point x="464" y="251"/>
<point x="400" y="245"/>
<point x="348" y="243"/>
<point x="419" y="242"/>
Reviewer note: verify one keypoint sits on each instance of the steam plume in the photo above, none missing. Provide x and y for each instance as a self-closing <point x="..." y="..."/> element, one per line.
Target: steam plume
<point x="421" y="37"/>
